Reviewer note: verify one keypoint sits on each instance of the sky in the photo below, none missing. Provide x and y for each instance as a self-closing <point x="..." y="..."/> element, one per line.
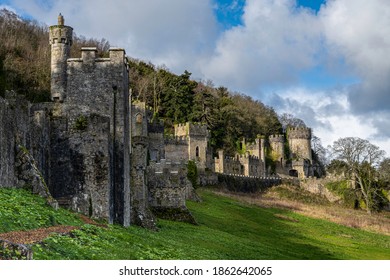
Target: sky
<point x="324" y="61"/>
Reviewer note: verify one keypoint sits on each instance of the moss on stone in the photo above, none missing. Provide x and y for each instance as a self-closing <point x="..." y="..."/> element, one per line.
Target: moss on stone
<point x="174" y="214"/>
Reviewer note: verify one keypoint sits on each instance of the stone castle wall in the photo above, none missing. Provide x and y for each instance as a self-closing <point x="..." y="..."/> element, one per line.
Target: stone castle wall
<point x="277" y="147"/>
<point x="191" y="129"/>
<point x="20" y="126"/>
<point x="300" y="148"/>
<point x="256" y="149"/>
<point x="80" y="167"/>
<point x="168" y="184"/>
<point x="197" y="137"/>
<point x="241" y="165"/>
<point x="300" y="143"/>
<point x="247" y="184"/>
<point x="176" y="149"/>
<point x="100" y="86"/>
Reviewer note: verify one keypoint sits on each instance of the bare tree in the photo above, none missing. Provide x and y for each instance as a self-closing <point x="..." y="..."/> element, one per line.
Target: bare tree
<point x="288" y="120"/>
<point x="362" y="159"/>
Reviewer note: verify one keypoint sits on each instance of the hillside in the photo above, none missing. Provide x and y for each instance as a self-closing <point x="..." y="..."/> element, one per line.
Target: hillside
<point x="262" y="233"/>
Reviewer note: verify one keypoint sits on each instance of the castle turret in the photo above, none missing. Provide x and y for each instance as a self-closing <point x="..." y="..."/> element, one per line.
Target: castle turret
<point x="60" y="41"/>
<point x="277" y="149"/>
<point x="299" y="139"/>
<point x="197" y="136"/>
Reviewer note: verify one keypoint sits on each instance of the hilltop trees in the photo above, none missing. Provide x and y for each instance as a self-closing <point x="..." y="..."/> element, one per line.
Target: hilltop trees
<point x="177" y="99"/>
<point x="359" y="159"/>
<point x="25" y="56"/>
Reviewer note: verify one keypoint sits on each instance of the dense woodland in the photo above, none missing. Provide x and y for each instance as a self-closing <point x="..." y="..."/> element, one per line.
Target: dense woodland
<point x="25" y="68"/>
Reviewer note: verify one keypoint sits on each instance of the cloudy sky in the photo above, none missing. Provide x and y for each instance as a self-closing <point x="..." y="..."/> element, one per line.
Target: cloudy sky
<point x="324" y="61"/>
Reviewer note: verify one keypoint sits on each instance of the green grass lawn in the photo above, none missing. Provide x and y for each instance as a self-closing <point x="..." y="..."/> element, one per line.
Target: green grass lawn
<point x="227" y="230"/>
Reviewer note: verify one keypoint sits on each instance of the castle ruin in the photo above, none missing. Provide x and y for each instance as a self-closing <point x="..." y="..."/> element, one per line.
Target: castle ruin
<point x="97" y="152"/>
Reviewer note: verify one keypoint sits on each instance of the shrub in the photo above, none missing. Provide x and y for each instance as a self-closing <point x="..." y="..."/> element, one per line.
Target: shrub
<point x="81" y="123"/>
<point x="192" y="173"/>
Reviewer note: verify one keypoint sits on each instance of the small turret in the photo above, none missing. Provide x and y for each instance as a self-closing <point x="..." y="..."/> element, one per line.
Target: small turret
<point x="60" y="41"/>
<point x="61" y="20"/>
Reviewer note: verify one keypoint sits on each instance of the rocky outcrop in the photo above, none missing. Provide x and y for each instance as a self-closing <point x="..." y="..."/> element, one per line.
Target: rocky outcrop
<point x="30" y="177"/>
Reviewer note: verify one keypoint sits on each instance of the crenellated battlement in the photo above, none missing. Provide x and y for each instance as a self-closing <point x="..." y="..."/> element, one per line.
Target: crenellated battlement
<point x="167" y="166"/>
<point x="276" y="138"/>
<point x="89" y="56"/>
<point x="299" y="133"/>
<point x="60" y="33"/>
<point x="191" y="129"/>
<point x="176" y="140"/>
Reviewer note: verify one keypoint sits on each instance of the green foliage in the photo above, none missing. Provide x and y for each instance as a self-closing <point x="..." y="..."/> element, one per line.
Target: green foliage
<point x="11" y="254"/>
<point x="384" y="173"/>
<point x="178" y="99"/>
<point x="298" y="194"/>
<point x="192" y="173"/>
<point x="344" y="190"/>
<point x="81" y="123"/>
<point x="20" y="210"/>
<point x="360" y="159"/>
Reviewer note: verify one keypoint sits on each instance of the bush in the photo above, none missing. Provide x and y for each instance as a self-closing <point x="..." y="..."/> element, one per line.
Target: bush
<point x="348" y="194"/>
<point x="192" y="173"/>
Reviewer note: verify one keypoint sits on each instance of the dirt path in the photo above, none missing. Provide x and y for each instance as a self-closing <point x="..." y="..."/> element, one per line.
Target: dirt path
<point x="37" y="235"/>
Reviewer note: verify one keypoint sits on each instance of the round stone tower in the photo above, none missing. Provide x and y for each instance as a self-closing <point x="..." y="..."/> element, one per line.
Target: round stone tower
<point x="299" y="139"/>
<point x="60" y="41"/>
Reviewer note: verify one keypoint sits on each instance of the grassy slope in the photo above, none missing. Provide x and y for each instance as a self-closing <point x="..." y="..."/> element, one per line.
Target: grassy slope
<point x="19" y="210"/>
<point x="228" y="230"/>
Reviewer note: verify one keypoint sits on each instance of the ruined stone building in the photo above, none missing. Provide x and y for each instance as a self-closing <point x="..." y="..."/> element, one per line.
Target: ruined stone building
<point x="290" y="155"/>
<point x="252" y="163"/>
<point x="98" y="153"/>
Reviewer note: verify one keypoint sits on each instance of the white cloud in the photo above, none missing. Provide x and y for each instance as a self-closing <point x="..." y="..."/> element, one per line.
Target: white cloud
<point x="327" y="112"/>
<point x="176" y="33"/>
<point x="357" y="31"/>
<point x="275" y="42"/>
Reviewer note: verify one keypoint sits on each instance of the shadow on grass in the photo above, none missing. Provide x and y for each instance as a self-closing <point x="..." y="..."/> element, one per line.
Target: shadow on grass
<point x="249" y="232"/>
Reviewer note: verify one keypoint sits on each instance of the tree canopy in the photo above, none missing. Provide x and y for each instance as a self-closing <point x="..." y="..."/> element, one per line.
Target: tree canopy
<point x="360" y="159"/>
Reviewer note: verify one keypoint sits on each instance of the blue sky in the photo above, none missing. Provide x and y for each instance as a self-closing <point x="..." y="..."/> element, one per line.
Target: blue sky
<point x="312" y="4"/>
<point x="229" y="12"/>
<point x="325" y="62"/>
